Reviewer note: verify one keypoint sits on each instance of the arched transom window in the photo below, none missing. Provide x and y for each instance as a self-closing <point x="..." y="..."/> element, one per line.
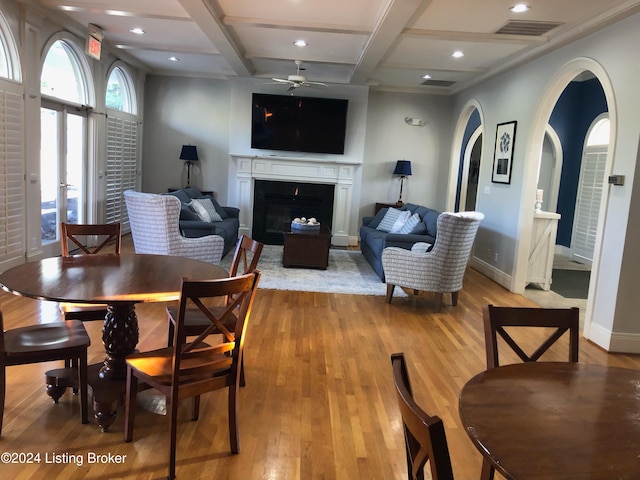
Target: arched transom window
<point x="119" y="94"/>
<point x="62" y="75"/>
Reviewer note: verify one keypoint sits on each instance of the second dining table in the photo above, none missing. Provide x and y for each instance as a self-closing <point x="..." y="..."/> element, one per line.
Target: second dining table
<point x="555" y="420"/>
<point x="120" y="281"/>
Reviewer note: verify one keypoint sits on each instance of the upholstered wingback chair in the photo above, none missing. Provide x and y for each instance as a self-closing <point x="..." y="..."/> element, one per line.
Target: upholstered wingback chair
<point x="442" y="269"/>
<point x="154" y="227"/>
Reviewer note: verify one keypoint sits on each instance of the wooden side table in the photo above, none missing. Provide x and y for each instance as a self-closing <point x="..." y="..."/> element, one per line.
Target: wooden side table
<point x="306" y="249"/>
<point x="380" y="206"/>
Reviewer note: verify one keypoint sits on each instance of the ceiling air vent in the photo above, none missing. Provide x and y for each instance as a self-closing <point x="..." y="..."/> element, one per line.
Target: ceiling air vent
<point x="523" y="27"/>
<point x="438" y="83"/>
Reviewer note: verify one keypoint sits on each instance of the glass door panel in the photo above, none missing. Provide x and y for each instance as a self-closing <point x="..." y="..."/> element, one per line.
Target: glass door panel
<point x="75" y="171"/>
<point x="62" y="172"/>
<point x="50" y="149"/>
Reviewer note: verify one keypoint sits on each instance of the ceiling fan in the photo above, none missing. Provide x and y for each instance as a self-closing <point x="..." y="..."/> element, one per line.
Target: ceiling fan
<point x="297" y="80"/>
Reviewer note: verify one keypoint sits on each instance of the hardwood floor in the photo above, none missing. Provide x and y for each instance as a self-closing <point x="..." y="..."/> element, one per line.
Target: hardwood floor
<point x="319" y="400"/>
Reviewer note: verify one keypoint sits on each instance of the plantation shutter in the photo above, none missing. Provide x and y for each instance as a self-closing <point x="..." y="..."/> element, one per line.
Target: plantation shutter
<point x="590" y="188"/>
<point x="12" y="195"/>
<point x="122" y="148"/>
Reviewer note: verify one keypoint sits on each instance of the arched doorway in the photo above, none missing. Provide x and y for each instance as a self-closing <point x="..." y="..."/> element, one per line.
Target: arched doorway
<point x="578" y="70"/>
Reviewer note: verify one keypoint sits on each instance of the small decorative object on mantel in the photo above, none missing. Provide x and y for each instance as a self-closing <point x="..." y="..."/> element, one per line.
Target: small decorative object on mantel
<point x="305" y="225"/>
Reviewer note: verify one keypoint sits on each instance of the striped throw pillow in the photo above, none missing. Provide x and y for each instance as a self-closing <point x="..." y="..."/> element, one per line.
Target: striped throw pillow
<point x="389" y="219"/>
<point x="411" y="223"/>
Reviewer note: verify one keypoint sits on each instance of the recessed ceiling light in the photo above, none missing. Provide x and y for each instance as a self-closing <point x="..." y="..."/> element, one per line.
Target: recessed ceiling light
<point x="300" y="43"/>
<point x="458" y="54"/>
<point x="520" y="8"/>
<point x="174" y="59"/>
<point x="426" y="76"/>
<point x="137" y="31"/>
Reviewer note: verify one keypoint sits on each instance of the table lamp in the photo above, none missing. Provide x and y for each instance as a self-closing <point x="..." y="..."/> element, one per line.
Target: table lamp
<point x="189" y="153"/>
<point x="403" y="168"/>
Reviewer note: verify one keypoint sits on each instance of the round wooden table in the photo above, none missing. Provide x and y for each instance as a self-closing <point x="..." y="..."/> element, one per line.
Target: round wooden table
<point x="120" y="281"/>
<point x="549" y="420"/>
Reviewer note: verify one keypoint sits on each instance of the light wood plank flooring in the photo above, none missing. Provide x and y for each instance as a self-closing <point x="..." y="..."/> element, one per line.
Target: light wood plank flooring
<point x="319" y="401"/>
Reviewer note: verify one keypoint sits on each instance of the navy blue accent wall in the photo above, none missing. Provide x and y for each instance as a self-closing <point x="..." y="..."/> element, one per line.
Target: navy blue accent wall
<point x="472" y="125"/>
<point x="577" y="108"/>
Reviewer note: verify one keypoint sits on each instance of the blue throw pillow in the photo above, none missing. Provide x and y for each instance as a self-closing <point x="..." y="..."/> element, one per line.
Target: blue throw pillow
<point x="187" y="214"/>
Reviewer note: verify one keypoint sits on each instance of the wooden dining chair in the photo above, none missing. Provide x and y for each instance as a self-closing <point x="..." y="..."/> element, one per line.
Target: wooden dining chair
<point x="424" y="435"/>
<point x="189" y="369"/>
<point x="247" y="253"/>
<point x="498" y="319"/>
<point x="44" y="343"/>
<point x="109" y="239"/>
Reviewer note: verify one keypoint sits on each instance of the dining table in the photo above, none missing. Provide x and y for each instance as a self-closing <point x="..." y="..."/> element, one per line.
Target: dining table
<point x="555" y="420"/>
<point x="119" y="281"/>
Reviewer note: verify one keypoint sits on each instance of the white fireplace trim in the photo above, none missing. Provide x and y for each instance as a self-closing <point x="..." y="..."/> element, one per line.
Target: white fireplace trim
<point x="341" y="174"/>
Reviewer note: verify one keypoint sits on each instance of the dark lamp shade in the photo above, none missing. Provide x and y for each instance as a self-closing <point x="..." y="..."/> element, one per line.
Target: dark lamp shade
<point x="189" y="153"/>
<point x="403" y="167"/>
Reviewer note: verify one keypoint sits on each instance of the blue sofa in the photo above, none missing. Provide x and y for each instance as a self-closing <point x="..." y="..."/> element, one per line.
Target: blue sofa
<point x="193" y="227"/>
<point x="374" y="241"/>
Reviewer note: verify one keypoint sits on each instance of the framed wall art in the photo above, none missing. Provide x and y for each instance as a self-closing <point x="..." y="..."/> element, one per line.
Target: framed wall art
<point x="503" y="156"/>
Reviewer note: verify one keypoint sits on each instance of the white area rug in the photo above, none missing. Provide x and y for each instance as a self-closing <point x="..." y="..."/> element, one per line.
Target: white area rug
<point x="348" y="272"/>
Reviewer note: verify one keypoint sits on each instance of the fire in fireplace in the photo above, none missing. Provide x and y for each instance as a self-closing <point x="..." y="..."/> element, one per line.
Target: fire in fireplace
<point x="276" y="204"/>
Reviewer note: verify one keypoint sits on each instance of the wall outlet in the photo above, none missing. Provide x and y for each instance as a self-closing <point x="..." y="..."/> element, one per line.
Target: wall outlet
<point x="495" y="257"/>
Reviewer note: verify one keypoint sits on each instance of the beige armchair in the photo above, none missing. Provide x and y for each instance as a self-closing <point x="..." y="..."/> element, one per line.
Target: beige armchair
<point x="154" y="227"/>
<point x="442" y="269"/>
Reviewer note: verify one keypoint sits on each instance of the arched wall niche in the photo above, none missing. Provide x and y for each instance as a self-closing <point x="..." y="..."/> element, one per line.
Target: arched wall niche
<point x="458" y="148"/>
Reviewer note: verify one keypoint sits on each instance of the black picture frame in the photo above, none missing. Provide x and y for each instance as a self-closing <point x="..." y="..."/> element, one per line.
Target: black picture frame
<point x="503" y="155"/>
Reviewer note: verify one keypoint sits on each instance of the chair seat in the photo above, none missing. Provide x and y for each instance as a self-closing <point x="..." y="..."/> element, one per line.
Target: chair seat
<point x="159" y="364"/>
<point x="49" y="338"/>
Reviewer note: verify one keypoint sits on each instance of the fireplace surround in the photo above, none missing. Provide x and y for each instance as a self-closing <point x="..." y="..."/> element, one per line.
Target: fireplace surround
<point x="245" y="170"/>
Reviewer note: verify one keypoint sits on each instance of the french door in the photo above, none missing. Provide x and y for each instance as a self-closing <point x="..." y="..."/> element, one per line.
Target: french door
<point x="63" y="167"/>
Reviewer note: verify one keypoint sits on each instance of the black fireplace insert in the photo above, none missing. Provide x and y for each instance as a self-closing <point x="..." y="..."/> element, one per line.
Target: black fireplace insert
<point x="276" y="204"/>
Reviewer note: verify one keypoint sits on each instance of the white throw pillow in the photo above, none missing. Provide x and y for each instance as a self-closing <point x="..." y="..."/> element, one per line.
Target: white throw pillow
<point x="389" y="219"/>
<point x="420" y="247"/>
<point x="200" y="210"/>
<point x="401" y="220"/>
<point x="207" y="204"/>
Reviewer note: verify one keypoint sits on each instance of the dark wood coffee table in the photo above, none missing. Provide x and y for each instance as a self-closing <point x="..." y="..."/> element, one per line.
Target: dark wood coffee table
<point x="306" y="249"/>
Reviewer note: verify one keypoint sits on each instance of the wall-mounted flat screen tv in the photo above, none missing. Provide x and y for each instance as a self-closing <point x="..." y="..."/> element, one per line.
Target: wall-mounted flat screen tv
<point x="298" y="124"/>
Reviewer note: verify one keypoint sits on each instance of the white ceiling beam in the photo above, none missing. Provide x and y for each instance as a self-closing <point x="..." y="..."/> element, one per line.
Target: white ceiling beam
<point x="289" y="25"/>
<point x="392" y="18"/>
<point x="204" y="15"/>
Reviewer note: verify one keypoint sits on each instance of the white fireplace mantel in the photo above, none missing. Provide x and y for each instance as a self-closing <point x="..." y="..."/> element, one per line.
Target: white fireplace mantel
<point x="294" y="169"/>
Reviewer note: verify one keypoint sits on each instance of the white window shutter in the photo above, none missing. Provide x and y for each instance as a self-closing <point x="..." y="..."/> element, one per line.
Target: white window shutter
<point x="122" y="148"/>
<point x="590" y="190"/>
<point x="12" y="194"/>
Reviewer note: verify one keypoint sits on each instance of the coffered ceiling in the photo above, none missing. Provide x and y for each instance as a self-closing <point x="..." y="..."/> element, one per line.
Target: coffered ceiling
<point x="387" y="44"/>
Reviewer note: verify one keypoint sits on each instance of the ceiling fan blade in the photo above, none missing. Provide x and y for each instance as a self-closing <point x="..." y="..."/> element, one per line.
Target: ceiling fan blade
<point x="281" y="80"/>
<point x="316" y="84"/>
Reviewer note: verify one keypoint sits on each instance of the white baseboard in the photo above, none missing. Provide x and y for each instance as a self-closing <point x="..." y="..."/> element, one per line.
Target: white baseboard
<point x="492" y="272"/>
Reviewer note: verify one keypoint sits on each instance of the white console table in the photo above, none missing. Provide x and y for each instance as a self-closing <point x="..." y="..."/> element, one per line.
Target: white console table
<point x="543" y="242"/>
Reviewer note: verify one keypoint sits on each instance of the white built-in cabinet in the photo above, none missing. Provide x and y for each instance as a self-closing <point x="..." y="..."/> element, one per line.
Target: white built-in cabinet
<point x="543" y="242"/>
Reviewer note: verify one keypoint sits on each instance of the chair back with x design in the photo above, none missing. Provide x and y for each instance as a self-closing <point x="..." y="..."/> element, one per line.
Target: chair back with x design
<point x="558" y="320"/>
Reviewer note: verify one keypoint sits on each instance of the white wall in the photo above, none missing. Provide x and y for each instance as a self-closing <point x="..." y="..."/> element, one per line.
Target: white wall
<point x="181" y="111"/>
<point x="389" y="138"/>
<point x="527" y="95"/>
